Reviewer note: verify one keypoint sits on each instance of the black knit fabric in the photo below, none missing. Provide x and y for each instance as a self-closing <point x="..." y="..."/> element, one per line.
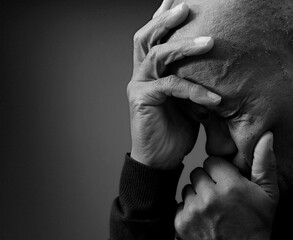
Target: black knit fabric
<point x="146" y="204"/>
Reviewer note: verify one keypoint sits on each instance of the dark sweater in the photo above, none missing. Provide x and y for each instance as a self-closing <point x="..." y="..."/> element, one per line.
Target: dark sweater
<point x="146" y="205"/>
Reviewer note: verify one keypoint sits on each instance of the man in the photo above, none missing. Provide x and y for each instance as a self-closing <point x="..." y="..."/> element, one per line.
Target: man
<point x="235" y="194"/>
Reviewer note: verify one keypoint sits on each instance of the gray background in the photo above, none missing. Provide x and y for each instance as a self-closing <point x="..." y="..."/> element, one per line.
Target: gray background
<point x="64" y="127"/>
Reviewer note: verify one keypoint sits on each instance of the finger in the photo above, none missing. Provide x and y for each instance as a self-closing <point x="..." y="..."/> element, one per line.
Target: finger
<point x="185" y="208"/>
<point x="157" y="28"/>
<point x="166" y="4"/>
<point x="156" y="92"/>
<point x="188" y="195"/>
<point x="161" y="55"/>
<point x="201" y="181"/>
<point x="264" y="167"/>
<point x="179" y="219"/>
<point x="221" y="171"/>
<point x="187" y="192"/>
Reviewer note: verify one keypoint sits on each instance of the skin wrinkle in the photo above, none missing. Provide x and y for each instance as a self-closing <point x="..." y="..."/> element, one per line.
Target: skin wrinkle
<point x="219" y="64"/>
<point x="250" y="66"/>
<point x="218" y="20"/>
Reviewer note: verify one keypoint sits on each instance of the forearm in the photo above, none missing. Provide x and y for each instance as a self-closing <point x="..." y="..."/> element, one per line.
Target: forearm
<point x="146" y="204"/>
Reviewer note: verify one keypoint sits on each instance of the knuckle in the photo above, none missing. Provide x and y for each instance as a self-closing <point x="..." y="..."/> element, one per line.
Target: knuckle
<point x="232" y="189"/>
<point x="159" y="19"/>
<point x="172" y="81"/>
<point x="229" y="190"/>
<point x="137" y="37"/>
<point x="194" y="173"/>
<point x="209" y="162"/>
<point x="129" y="88"/>
<point x="209" y="199"/>
<point x="162" y="20"/>
<point x="156" y="14"/>
<point x="179" y="218"/>
<point x="137" y="105"/>
<point x="182" y="221"/>
<point x="158" y="84"/>
<point x="135" y="98"/>
<point x="154" y="53"/>
<point x="193" y="210"/>
<point x="195" y="89"/>
<point x="167" y="83"/>
<point x="179" y="225"/>
<point x="206" y="202"/>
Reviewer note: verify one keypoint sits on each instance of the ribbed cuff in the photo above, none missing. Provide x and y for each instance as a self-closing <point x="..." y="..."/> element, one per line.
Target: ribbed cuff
<point x="146" y="192"/>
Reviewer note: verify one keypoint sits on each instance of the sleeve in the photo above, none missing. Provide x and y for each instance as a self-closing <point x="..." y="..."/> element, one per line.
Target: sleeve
<point x="146" y="205"/>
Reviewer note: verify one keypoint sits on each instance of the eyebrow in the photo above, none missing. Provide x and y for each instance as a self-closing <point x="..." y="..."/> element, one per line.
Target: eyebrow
<point x="230" y="113"/>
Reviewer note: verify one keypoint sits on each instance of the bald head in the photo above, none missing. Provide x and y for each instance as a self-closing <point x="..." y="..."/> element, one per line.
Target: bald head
<point x="251" y="67"/>
<point x="251" y="40"/>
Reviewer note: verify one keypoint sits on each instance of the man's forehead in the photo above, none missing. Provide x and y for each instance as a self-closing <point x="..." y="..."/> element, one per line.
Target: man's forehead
<point x="214" y="68"/>
<point x="207" y="17"/>
<point x="240" y="56"/>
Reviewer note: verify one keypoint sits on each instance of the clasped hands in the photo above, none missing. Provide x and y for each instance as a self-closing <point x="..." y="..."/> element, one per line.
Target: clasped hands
<point x="219" y="203"/>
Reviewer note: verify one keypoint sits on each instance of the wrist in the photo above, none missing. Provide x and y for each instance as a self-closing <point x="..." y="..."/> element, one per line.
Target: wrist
<point x="146" y="192"/>
<point x="157" y="161"/>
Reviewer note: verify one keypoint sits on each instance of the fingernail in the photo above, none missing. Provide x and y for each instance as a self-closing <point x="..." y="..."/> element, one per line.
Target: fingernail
<point x="271" y="143"/>
<point x="204" y="41"/>
<point x="214" y="97"/>
<point x="178" y="8"/>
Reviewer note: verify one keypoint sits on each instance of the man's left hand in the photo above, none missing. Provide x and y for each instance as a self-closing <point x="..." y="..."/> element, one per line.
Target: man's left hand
<point x="222" y="204"/>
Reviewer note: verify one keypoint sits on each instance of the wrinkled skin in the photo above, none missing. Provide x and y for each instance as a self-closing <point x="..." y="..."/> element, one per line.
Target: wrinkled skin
<point x="251" y="67"/>
<point x="254" y="78"/>
<point x="220" y="203"/>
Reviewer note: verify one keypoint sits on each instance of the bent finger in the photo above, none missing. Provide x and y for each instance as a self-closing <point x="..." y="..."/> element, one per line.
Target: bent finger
<point x="201" y="181"/>
<point x="264" y="167"/>
<point x="187" y="192"/>
<point x="157" y="28"/>
<point x="221" y="171"/>
<point x="156" y="92"/>
<point x="166" y="4"/>
<point x="160" y="56"/>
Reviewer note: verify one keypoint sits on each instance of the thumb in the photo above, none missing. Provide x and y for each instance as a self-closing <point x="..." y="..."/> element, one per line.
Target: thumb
<point x="264" y="169"/>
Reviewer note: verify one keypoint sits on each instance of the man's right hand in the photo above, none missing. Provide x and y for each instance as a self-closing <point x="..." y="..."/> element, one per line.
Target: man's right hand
<point x="222" y="204"/>
<point x="162" y="135"/>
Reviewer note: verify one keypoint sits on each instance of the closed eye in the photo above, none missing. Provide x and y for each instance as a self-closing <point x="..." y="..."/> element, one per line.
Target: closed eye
<point x="231" y="115"/>
<point x="236" y="118"/>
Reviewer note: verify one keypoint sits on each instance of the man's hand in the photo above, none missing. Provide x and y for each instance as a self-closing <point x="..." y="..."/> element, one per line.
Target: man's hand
<point x="161" y="133"/>
<point x="222" y="204"/>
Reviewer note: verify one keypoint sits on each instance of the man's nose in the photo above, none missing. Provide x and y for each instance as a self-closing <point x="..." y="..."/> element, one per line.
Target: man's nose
<point x="219" y="141"/>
